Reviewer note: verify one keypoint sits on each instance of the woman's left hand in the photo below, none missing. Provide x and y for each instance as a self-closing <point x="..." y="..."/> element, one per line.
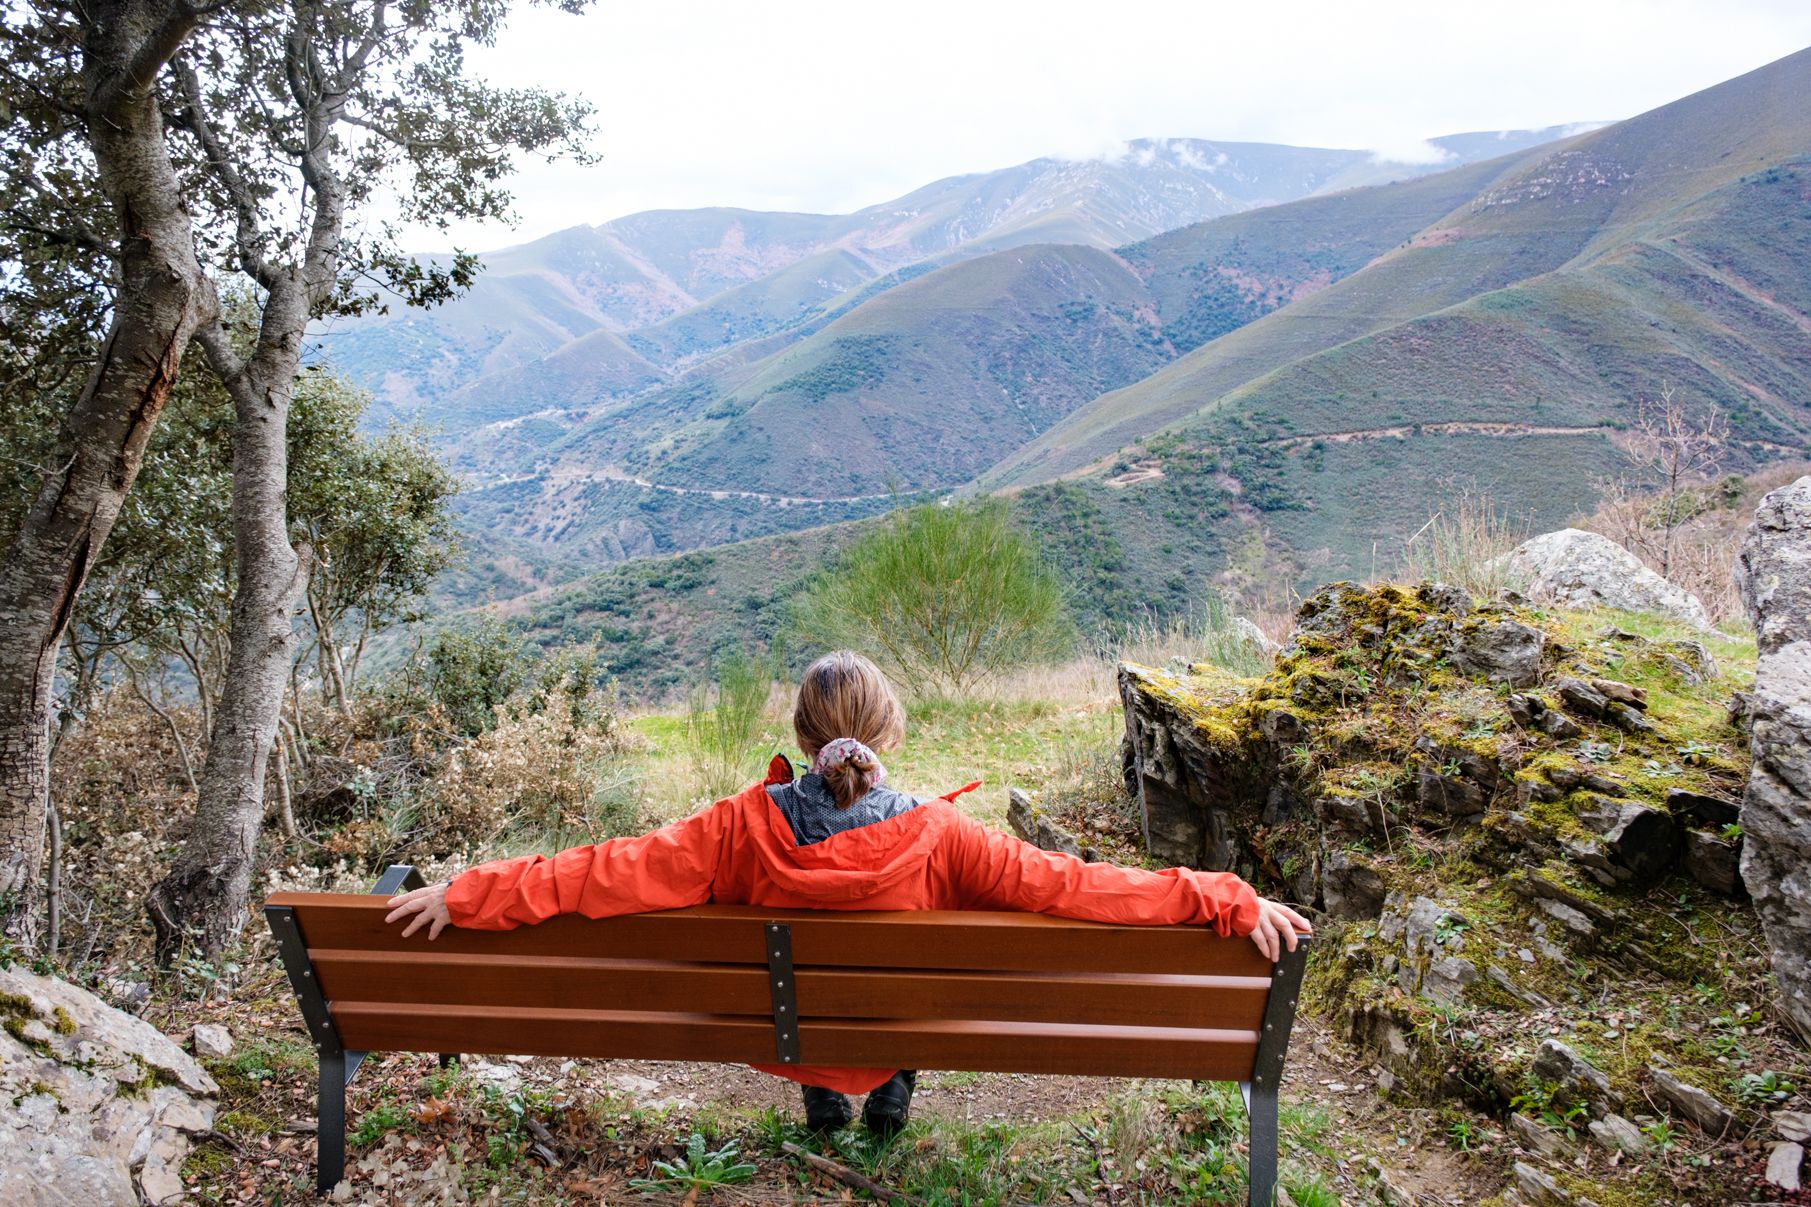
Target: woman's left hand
<point x="1277" y="928"/>
<point x="429" y="907"/>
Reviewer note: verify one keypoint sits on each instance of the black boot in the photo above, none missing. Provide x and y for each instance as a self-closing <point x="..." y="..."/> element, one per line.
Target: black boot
<point x="889" y="1105"/>
<point x="826" y="1110"/>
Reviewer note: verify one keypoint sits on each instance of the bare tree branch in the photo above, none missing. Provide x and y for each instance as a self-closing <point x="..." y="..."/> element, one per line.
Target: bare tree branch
<point x="248" y="239"/>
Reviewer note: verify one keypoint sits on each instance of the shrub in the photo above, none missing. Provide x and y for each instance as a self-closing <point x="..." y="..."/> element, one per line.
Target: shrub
<point x="942" y="596"/>
<point x="723" y="725"/>
<point x="470" y="672"/>
<point x="550" y="776"/>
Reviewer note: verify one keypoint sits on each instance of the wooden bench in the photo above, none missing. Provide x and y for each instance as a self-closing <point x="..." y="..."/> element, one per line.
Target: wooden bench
<point x="987" y="992"/>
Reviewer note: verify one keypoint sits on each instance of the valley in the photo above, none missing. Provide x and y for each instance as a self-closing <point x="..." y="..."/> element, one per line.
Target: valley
<point x="1229" y="363"/>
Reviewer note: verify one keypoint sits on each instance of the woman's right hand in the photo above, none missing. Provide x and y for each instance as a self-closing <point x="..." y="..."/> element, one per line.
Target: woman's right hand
<point x="1277" y="928"/>
<point x="428" y="905"/>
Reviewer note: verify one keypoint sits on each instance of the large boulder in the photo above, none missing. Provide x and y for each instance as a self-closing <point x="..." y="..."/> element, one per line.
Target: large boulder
<point x="1773" y="574"/>
<point x="96" y="1106"/>
<point x="1582" y="569"/>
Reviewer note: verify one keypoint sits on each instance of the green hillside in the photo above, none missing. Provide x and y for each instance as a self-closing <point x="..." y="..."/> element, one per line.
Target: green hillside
<point x="656" y="621"/>
<point x="933" y="380"/>
<point x="593" y="368"/>
<point x="782" y="299"/>
<point x="685" y="283"/>
<point x="1215" y="277"/>
<point x="1583" y="278"/>
<point x="925" y="383"/>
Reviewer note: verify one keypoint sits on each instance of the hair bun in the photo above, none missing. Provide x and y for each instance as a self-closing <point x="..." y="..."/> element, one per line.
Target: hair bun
<point x="850" y="767"/>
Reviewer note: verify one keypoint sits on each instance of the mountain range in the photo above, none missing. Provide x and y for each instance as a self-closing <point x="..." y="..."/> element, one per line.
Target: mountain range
<point x="1282" y="389"/>
<point x="679" y="284"/>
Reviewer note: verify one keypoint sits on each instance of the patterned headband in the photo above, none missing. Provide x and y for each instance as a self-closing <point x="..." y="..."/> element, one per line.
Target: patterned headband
<point x="838" y="751"/>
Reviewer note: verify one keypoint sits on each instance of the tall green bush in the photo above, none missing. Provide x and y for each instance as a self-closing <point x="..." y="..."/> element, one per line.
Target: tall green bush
<point x="942" y="596"/>
<point x="470" y="671"/>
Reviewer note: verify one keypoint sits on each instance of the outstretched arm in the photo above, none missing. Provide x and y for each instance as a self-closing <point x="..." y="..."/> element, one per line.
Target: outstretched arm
<point x="994" y="870"/>
<point x="671" y="867"/>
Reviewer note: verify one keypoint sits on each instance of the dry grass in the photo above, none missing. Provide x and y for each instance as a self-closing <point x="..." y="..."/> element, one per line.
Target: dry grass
<point x="1026" y="730"/>
<point x="1212" y="635"/>
<point x="1463" y="543"/>
<point x="1704" y="546"/>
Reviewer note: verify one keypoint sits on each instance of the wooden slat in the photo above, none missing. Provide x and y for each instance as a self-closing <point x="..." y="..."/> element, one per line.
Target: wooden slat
<point x="498" y="1031"/>
<point x="1107" y="999"/>
<point x="728" y="934"/>
<point x="1209" y="1055"/>
<point x="1125" y="999"/>
<point x="1220" y="1055"/>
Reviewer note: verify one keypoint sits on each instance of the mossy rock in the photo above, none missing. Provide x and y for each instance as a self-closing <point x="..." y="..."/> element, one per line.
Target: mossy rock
<point x="1369" y="756"/>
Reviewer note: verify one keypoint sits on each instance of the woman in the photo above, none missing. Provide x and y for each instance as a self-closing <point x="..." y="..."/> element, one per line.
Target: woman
<point x="837" y="838"/>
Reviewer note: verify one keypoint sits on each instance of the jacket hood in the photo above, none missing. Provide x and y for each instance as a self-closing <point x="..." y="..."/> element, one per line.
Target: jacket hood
<point x="848" y="866"/>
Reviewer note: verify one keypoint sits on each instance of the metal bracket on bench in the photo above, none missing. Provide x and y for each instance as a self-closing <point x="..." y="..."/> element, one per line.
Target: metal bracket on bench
<point x="294" y="954"/>
<point x="398" y="878"/>
<point x="785" y="992"/>
<point x="1279" y="1016"/>
<point x="337" y="1065"/>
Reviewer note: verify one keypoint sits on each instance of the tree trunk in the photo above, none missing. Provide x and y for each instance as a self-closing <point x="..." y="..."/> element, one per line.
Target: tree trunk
<point x="203" y="898"/>
<point x="162" y="298"/>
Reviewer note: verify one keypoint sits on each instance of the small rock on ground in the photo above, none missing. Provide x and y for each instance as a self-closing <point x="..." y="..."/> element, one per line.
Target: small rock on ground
<point x="1784" y="1160"/>
<point x="211" y="1041"/>
<point x="1700" y="1106"/>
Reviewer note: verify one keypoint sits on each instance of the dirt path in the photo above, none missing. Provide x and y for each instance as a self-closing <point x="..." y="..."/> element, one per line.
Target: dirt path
<point x="1323" y="1072"/>
<point x="612" y="474"/>
<point x="1739" y="284"/>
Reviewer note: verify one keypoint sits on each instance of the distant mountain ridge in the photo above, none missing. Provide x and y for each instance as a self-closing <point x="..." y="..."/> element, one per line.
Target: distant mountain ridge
<point x="1576" y="278"/>
<point x="680" y="284"/>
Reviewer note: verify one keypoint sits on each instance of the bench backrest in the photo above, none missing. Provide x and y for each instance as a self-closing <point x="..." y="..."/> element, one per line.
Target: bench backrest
<point x="989" y="992"/>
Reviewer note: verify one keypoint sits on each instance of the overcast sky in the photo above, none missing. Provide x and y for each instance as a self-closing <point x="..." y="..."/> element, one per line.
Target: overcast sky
<point x="828" y="107"/>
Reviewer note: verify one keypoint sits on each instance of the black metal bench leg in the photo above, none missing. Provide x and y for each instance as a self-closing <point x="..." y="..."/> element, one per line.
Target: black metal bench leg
<point x="330" y="1123"/>
<point x="1261" y="1110"/>
<point x="1267" y="1074"/>
<point x="448" y="1059"/>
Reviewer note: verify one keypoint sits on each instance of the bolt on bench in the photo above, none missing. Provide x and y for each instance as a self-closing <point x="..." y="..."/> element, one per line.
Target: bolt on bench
<point x="986" y="992"/>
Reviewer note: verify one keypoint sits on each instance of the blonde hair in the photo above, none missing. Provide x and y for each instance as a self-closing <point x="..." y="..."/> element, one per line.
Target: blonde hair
<point x="843" y="695"/>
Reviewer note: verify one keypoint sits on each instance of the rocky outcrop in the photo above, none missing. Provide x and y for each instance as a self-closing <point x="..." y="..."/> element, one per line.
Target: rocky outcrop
<point x="1349" y="735"/>
<point x="1480" y="797"/>
<point x="96" y="1107"/>
<point x="1582" y="569"/>
<point x="1773" y="574"/>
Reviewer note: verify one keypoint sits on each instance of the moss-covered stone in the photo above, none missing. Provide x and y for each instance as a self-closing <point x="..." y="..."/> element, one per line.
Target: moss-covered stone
<point x="1369" y="741"/>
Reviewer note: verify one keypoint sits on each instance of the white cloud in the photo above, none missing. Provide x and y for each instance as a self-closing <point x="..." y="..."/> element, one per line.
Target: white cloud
<point x="1574" y="129"/>
<point x="830" y="106"/>
<point x="1415" y="151"/>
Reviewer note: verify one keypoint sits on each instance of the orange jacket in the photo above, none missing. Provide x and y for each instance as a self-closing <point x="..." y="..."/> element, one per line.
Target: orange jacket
<point x="741" y="851"/>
